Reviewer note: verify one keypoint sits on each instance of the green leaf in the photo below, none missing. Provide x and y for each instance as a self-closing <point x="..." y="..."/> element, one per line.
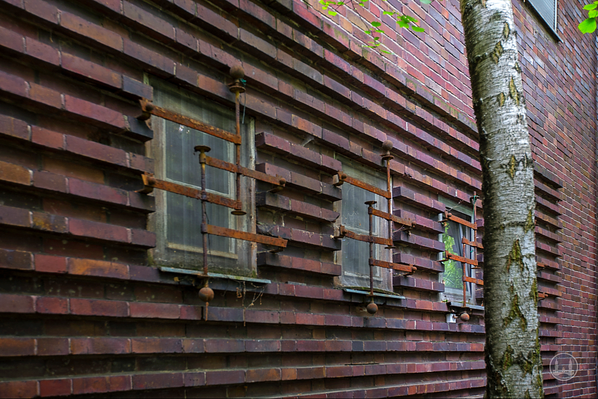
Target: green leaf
<point x="376" y="38"/>
<point x="590" y="6"/>
<point x="367" y="32"/>
<point x="376" y="23"/>
<point x="385" y="51"/>
<point x="379" y="31"/>
<point x="417" y="28"/>
<point x="332" y="13"/>
<point x="388" y="12"/>
<point x="593" y="14"/>
<point x="403" y="24"/>
<point x="588" y="26"/>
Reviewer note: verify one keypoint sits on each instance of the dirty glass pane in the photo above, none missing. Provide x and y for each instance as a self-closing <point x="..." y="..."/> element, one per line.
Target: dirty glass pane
<point x="179" y="164"/>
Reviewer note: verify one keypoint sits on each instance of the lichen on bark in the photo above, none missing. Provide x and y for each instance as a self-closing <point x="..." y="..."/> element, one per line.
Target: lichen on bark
<point x="515" y="256"/>
<point x="515" y="313"/>
<point x="530" y="222"/>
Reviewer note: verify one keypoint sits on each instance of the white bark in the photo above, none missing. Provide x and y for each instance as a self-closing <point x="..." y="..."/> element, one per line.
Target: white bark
<point x="513" y="360"/>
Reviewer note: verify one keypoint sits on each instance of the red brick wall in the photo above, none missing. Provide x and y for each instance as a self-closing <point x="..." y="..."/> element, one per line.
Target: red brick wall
<point x="560" y="91"/>
<point x="85" y="311"/>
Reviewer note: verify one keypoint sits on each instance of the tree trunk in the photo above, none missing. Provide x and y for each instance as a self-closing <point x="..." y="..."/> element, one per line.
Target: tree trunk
<point x="513" y="359"/>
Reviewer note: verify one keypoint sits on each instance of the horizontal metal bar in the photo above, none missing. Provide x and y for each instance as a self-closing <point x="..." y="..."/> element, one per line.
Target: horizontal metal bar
<point x="462" y="221"/>
<point x="396" y="219"/>
<point x="344" y="178"/>
<point x="378" y="294"/>
<point x="214" y="275"/>
<point x="364" y="237"/>
<point x="473" y="280"/>
<point x="152" y="182"/>
<point x="189" y="122"/>
<point x="254" y="174"/>
<point x="471" y="243"/>
<point x="393" y="266"/>
<point x="461" y="259"/>
<point x="242" y="235"/>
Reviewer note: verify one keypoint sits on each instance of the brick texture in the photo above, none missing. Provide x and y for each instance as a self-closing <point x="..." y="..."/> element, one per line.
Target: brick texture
<point x="86" y="309"/>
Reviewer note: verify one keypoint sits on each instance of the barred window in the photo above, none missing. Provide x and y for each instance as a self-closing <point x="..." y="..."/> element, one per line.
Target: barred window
<point x="354" y="216"/>
<point x="177" y="221"/>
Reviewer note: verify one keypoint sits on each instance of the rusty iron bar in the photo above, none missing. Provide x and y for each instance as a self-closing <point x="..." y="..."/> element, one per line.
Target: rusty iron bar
<point x="393" y="266"/>
<point x="150" y="182"/>
<point x="387" y="157"/>
<point x="457" y="219"/>
<point x="237" y="87"/>
<point x="472" y="244"/>
<point x="241" y="235"/>
<point x="473" y="280"/>
<point x="231" y="167"/>
<point x="370" y="205"/>
<point x="392" y="218"/>
<point x="149" y="108"/>
<point x="204" y="215"/>
<point x="341" y="178"/>
<point x="474" y="200"/>
<point x="344" y="232"/>
<point x="462" y="259"/>
<point x="465" y="277"/>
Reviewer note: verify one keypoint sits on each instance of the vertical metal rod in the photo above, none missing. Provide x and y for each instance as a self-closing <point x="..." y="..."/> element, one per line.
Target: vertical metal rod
<point x="204" y="215"/>
<point x="238" y="147"/>
<point x="389" y="201"/>
<point x="474" y="201"/>
<point x="237" y="87"/>
<point x="464" y="268"/>
<point x="370" y="205"/>
<point x="386" y="147"/>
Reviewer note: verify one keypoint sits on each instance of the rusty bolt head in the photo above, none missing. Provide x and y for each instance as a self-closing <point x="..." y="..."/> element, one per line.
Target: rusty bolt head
<point x="206" y="294"/>
<point x="201" y="148"/>
<point x="237" y="72"/>
<point x="387" y="146"/>
<point x="372" y="308"/>
<point x="464" y="316"/>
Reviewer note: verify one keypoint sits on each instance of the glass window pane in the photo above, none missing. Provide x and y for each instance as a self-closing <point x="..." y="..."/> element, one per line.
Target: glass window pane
<point x="180" y="242"/>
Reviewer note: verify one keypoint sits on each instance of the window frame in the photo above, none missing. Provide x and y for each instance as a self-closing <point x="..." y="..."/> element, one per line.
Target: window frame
<point x="551" y="25"/>
<point x="382" y="276"/>
<point x="454" y="295"/>
<point x="241" y="258"/>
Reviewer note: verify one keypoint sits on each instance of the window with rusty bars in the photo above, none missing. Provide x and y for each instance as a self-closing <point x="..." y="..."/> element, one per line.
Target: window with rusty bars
<point x="177" y="220"/>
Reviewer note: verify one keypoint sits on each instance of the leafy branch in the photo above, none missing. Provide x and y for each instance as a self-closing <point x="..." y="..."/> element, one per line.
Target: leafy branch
<point x="373" y="29"/>
<point x="589" y="24"/>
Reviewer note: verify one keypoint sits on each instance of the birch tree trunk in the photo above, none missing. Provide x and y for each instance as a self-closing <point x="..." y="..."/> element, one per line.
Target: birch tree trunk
<point x="513" y="359"/>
